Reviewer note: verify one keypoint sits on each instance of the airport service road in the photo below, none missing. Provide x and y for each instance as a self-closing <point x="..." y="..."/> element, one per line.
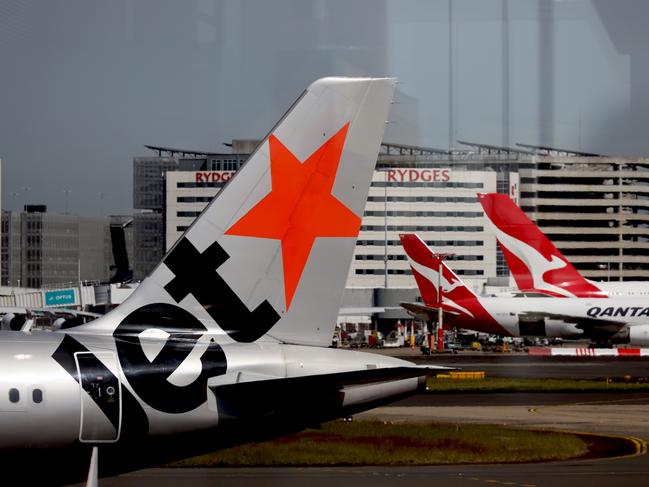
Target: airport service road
<point x="612" y="417"/>
<point x="524" y="399"/>
<point x="626" y="472"/>
<point x="523" y="365"/>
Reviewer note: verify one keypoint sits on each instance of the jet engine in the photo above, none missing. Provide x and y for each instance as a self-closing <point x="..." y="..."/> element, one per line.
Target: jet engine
<point x="633" y="335"/>
<point x="639" y="335"/>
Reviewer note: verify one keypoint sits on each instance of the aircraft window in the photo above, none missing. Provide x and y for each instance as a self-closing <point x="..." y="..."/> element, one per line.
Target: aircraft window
<point x="37" y="396"/>
<point x="14" y="395"/>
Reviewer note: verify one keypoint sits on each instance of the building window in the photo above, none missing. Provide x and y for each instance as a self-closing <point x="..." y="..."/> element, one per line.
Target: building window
<point x="427" y="184"/>
<point x="421" y="228"/>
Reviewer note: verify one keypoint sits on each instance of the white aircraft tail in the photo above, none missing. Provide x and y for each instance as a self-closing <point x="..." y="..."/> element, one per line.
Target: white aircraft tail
<point x="269" y="257"/>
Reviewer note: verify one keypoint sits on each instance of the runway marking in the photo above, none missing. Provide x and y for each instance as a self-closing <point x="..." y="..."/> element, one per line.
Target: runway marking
<point x="499" y="482"/>
<point x="614" y="401"/>
<point x="640" y="445"/>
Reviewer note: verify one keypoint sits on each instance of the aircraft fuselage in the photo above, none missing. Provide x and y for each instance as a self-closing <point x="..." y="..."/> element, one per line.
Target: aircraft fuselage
<point x="58" y="388"/>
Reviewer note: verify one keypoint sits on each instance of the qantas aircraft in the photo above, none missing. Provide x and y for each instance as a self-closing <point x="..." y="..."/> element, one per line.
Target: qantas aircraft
<point x="536" y="264"/>
<point x="618" y="320"/>
<point x="226" y="340"/>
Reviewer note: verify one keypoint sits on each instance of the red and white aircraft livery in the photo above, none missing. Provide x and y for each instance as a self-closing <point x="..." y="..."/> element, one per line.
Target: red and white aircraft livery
<point x="623" y="320"/>
<point x="229" y="335"/>
<point x="536" y="264"/>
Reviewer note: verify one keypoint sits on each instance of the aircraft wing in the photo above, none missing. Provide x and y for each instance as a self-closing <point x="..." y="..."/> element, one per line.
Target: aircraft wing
<point x="22" y="318"/>
<point x="423" y="311"/>
<point x="298" y="395"/>
<point x="51" y="311"/>
<point x="591" y="326"/>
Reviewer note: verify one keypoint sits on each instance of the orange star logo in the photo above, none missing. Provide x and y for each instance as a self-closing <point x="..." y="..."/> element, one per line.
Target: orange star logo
<point x="300" y="206"/>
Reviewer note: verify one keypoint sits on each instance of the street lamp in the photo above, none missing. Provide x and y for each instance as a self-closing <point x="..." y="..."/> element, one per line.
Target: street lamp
<point x="439" y="332"/>
<point x="385" y="225"/>
<point x="25" y="191"/>
<point x="608" y="271"/>
<point x="606" y="266"/>
<point x="385" y="228"/>
<point x="67" y="195"/>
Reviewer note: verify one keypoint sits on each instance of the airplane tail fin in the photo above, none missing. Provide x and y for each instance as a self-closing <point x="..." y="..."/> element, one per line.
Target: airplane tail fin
<point x="533" y="260"/>
<point x="425" y="265"/>
<point x="269" y="257"/>
<point x="457" y="298"/>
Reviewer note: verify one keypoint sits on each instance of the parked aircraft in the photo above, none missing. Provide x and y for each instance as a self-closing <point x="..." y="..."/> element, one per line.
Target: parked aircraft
<point x="536" y="264"/>
<point x="619" y="320"/>
<point x="226" y="341"/>
<point x="25" y="318"/>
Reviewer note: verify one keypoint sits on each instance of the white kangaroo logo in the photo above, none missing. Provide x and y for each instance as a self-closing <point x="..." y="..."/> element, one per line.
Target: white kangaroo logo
<point x="537" y="265"/>
<point x="432" y="275"/>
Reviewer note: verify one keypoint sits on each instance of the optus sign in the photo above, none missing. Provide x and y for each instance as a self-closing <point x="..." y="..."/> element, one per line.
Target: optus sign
<point x="418" y="175"/>
<point x="213" y="176"/>
<point x="62" y="297"/>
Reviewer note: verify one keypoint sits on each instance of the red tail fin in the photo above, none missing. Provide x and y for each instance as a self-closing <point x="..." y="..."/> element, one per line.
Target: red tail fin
<point x="425" y="265"/>
<point x="534" y="261"/>
<point x="457" y="297"/>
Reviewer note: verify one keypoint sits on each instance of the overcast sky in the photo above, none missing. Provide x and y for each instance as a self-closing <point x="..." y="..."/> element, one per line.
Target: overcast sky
<point x="85" y="84"/>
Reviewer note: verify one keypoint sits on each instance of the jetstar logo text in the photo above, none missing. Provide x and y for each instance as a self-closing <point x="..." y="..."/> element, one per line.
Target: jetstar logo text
<point x="418" y="175"/>
<point x="213" y="176"/>
<point x="630" y="311"/>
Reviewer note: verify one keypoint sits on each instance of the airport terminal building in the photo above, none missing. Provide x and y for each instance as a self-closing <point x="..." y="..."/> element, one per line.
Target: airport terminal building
<point x="413" y="189"/>
<point x="431" y="198"/>
<point x="41" y="248"/>
<point x="595" y="208"/>
<point x="432" y="193"/>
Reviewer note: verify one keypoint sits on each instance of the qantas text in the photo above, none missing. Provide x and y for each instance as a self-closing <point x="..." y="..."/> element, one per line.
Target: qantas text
<point x="597" y="312"/>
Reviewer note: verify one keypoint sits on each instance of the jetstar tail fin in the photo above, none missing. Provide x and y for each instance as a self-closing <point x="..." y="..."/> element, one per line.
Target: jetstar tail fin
<point x="534" y="261"/>
<point x="268" y="258"/>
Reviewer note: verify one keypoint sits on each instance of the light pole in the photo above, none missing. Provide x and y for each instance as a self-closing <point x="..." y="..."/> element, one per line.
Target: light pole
<point x="67" y="195"/>
<point x="385" y="225"/>
<point x="439" y="332"/>
<point x="25" y="191"/>
<point x="385" y="229"/>
<point x="608" y="271"/>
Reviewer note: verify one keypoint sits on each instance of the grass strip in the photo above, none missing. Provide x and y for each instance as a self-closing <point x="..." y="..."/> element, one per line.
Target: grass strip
<point x="377" y="443"/>
<point x="505" y="384"/>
